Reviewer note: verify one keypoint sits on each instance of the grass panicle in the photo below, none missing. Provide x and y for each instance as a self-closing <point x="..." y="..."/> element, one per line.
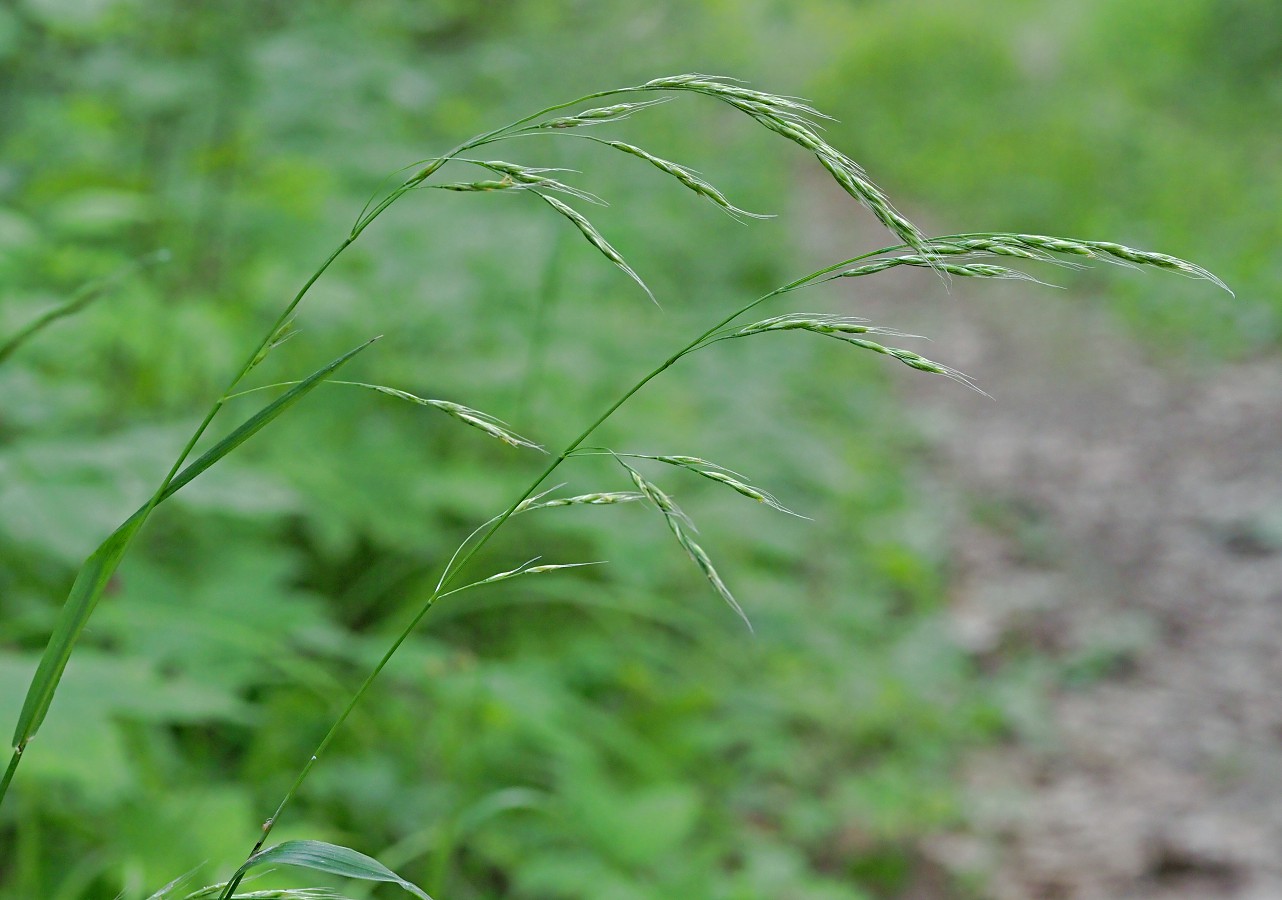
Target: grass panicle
<point x="794" y="119"/>
<point x="789" y="117"/>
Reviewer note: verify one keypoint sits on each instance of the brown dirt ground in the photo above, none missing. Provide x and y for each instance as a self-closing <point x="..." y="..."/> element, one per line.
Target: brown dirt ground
<point x="1121" y="520"/>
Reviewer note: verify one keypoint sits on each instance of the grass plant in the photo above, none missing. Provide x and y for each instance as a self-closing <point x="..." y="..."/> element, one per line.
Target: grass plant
<point x="961" y="255"/>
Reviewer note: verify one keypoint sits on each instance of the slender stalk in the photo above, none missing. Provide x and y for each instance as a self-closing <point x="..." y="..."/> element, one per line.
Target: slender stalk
<point x="366" y="218"/>
<point x="195" y="437"/>
<point x="461" y="561"/>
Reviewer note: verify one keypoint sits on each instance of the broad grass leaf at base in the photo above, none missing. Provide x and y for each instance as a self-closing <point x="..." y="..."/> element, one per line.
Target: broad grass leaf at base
<point x="85" y="593"/>
<point x="331" y="858"/>
<point x="92" y="579"/>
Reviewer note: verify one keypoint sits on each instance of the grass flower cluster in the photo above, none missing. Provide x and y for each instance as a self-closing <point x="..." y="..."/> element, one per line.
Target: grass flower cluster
<point x="960" y="255"/>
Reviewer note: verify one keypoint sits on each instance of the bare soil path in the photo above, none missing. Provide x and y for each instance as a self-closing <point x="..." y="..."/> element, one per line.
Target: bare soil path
<point x="1124" y="519"/>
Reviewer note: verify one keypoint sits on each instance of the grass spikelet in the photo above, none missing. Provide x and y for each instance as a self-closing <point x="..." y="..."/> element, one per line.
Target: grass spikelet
<point x="848" y="330"/>
<point x="914" y="361"/>
<point x="746" y="489"/>
<point x="659" y="498"/>
<point x="819" y="323"/>
<point x="1111" y="252"/>
<point x="474" y="186"/>
<point x="714" y="578"/>
<point x="527" y="568"/>
<point x="982" y="246"/>
<point x="677" y="520"/>
<point x="216" y="890"/>
<point x="687" y="177"/>
<point x="515" y="178"/>
<point x="604" y="498"/>
<point x="715" y="472"/>
<point x="494" y="427"/>
<point x="847" y="173"/>
<point x="527" y="177"/>
<point x="602" y="114"/>
<point x="677" y="460"/>
<point x="964" y="270"/>
<point x="792" y="118"/>
<point x="1043" y="248"/>
<point x="282" y="334"/>
<point x="725" y="88"/>
<point x="596" y="240"/>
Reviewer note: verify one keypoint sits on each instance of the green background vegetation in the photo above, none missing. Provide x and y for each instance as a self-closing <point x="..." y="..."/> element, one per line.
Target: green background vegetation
<point x="611" y="733"/>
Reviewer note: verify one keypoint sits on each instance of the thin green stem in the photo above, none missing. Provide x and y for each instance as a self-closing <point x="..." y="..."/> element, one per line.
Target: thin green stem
<point x="461" y="561"/>
<point x="251" y="360"/>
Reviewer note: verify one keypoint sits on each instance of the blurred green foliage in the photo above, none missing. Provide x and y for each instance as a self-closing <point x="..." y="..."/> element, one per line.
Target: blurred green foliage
<point x="1151" y="121"/>
<point x="611" y="733"/>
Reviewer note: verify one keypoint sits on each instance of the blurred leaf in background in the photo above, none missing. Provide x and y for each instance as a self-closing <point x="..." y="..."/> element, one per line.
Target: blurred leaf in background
<point x="612" y="733"/>
<point x="1148" y="121"/>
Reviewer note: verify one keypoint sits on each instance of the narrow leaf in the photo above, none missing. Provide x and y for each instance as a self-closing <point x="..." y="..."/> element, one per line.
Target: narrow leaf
<point x="330" y="858"/>
<point x="97" y="570"/>
<point x="259" y="421"/>
<point x="85" y="593"/>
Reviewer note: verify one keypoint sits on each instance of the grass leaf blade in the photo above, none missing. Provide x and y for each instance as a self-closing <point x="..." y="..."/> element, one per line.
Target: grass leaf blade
<point x="258" y="421"/>
<point x="87" y="589"/>
<point x="332" y="859"/>
<point x="97" y="570"/>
